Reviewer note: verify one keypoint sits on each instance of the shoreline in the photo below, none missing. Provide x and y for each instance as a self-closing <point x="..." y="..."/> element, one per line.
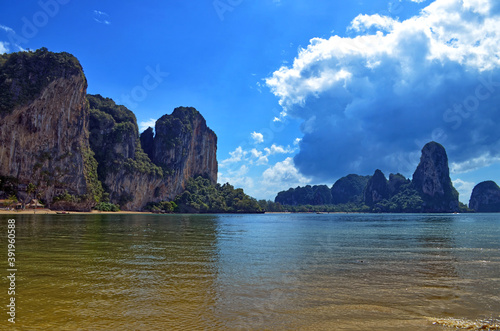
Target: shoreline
<point x="54" y="212"/>
<point x="127" y="212"/>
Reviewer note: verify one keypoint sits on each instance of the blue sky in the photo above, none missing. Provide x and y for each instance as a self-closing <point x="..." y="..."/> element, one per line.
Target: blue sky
<point x="298" y="92"/>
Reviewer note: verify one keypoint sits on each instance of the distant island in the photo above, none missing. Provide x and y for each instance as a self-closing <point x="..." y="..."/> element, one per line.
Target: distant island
<point x="429" y="191"/>
<point x="64" y="149"/>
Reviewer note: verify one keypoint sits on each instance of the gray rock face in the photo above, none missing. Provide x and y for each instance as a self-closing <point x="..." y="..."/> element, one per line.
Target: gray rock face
<point x="376" y="189"/>
<point x="50" y="131"/>
<point x="432" y="180"/>
<point x="485" y="198"/>
<point x="147" y="142"/>
<point x="185" y="147"/>
<point x="45" y="142"/>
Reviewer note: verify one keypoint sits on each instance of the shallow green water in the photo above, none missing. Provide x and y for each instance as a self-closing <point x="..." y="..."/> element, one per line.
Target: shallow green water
<point x="258" y="272"/>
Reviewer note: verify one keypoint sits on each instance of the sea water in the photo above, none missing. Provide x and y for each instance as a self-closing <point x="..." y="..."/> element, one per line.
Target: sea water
<point x="253" y="272"/>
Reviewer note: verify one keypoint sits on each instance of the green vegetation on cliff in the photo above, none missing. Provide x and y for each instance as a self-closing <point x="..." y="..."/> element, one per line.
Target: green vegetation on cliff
<point x="94" y="186"/>
<point x="431" y="190"/>
<point x="114" y="138"/>
<point x="23" y="75"/>
<point x="349" y="189"/>
<point x="485" y="197"/>
<point x="308" y="195"/>
<point x="175" y="126"/>
<point x="142" y="164"/>
<point x="80" y="148"/>
<point x="119" y="113"/>
<point x="201" y="196"/>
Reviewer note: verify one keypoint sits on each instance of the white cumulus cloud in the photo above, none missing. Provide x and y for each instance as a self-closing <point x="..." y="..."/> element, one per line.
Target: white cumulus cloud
<point x="257" y="137"/>
<point x="146" y="124"/>
<point x="237" y="178"/>
<point x="374" y="97"/>
<point x="283" y="175"/>
<point x="237" y="155"/>
<point x="473" y="164"/>
<point x="365" y="22"/>
<point x="464" y="189"/>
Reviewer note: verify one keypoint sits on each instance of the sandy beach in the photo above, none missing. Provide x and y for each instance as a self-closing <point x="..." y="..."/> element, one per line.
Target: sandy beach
<point x="48" y="211"/>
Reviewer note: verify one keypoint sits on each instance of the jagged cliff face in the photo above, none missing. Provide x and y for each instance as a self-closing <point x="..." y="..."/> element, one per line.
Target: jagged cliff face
<point x="136" y="170"/>
<point x="50" y="129"/>
<point x="485" y="198"/>
<point x="127" y="174"/>
<point x="432" y="180"/>
<point x="376" y="189"/>
<point x="43" y="137"/>
<point x="184" y="147"/>
<point x="133" y="190"/>
<point x="147" y="142"/>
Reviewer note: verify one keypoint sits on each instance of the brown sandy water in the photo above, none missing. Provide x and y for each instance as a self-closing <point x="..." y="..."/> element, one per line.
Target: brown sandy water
<point x="254" y="272"/>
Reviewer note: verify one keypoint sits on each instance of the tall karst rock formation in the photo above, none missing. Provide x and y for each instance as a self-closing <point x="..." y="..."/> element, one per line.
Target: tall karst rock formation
<point x="43" y="126"/>
<point x="137" y="169"/>
<point x="184" y="147"/>
<point x="377" y="189"/>
<point x="485" y="197"/>
<point x="432" y="180"/>
<point x="73" y="147"/>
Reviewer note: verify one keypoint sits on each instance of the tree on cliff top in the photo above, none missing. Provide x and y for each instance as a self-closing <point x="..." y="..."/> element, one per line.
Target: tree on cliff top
<point x="23" y="75"/>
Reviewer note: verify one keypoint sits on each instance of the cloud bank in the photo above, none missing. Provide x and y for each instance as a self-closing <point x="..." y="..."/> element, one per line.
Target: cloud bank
<point x="258" y="171"/>
<point x="373" y="100"/>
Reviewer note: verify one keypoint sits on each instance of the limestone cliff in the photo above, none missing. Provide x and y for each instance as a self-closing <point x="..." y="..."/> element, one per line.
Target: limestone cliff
<point x="432" y="180"/>
<point x="430" y="191"/>
<point x="43" y="121"/>
<point x="72" y="150"/>
<point x="376" y="189"/>
<point x="485" y="197"/>
<point x="147" y="142"/>
<point x="185" y="148"/>
<point x="126" y="172"/>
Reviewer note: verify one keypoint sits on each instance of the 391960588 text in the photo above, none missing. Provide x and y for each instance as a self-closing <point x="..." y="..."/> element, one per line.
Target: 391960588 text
<point x="11" y="262"/>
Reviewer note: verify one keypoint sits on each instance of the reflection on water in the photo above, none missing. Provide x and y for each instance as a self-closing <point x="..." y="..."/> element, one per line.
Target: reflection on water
<point x="213" y="272"/>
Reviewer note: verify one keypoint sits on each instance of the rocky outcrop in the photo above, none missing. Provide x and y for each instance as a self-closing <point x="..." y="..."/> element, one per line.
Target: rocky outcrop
<point x="376" y="189"/>
<point x="485" y="198"/>
<point x="396" y="183"/>
<point x="431" y="189"/>
<point x="184" y="147"/>
<point x="126" y="172"/>
<point x="66" y="148"/>
<point x="147" y="142"/>
<point x="432" y="180"/>
<point x="43" y="135"/>
<point x="349" y="189"/>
